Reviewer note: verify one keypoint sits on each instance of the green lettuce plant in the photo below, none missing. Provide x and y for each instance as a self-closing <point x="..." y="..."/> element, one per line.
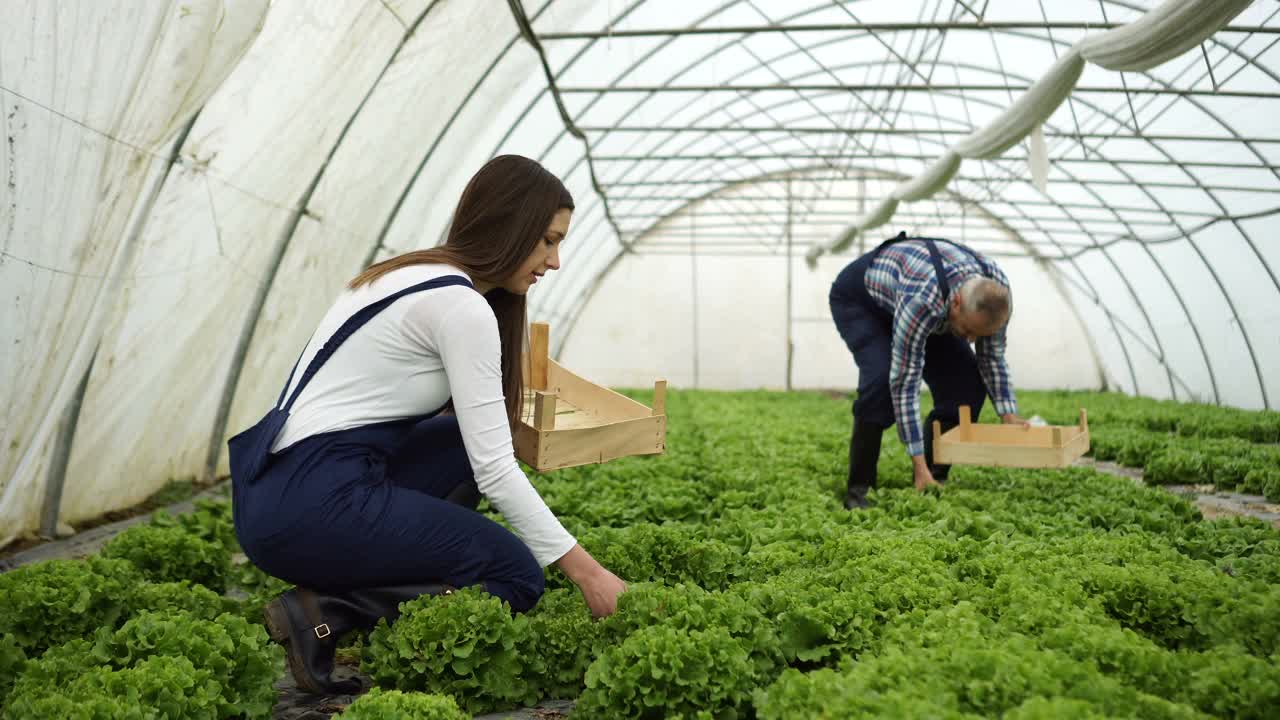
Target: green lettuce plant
<point x="379" y="704"/>
<point x="665" y="672"/>
<point x="466" y="644"/>
<point x="172" y="554"/>
<point x="47" y="603"/>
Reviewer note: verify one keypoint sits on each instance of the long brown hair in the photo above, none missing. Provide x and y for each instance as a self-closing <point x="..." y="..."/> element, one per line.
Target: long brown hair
<point x="502" y="215"/>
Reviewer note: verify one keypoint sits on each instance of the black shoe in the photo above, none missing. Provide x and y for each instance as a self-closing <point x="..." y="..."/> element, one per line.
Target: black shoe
<point x="864" y="457"/>
<point x="855" y="498"/>
<point x="309" y="624"/>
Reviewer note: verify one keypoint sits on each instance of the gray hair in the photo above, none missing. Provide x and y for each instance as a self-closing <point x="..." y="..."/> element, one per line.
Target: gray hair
<point x="988" y="299"/>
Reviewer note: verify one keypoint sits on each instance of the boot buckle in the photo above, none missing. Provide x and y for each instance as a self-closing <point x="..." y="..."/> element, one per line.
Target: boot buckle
<point x="322" y="630"/>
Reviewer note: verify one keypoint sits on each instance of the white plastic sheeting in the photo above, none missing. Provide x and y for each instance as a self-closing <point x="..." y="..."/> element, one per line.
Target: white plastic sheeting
<point x="310" y="137"/>
<point x="86" y="134"/>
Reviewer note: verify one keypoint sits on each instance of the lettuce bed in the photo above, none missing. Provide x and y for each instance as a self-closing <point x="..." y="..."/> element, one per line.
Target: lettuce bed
<point x="1010" y="593"/>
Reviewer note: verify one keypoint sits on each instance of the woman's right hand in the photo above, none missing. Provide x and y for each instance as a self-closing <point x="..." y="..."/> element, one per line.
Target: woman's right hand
<point x="601" y="593"/>
<point x="599" y="587"/>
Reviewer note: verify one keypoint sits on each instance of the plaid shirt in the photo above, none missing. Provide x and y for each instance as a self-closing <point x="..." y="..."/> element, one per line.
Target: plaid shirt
<point x="902" y="280"/>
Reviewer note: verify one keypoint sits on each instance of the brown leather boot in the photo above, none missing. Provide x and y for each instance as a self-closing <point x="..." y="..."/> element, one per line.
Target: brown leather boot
<point x="309" y="624"/>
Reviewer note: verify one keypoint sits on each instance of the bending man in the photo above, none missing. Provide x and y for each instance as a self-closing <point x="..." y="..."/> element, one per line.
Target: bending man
<point x="909" y="310"/>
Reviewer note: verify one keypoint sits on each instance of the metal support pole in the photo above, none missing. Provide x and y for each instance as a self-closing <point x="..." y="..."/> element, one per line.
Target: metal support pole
<point x="864" y="27"/>
<point x="693" y="286"/>
<point x="57" y="476"/>
<point x="905" y="87"/>
<point x="862" y="209"/>
<point x="791" y="345"/>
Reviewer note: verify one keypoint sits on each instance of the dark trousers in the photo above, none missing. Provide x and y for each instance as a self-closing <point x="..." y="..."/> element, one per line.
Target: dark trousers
<point x="367" y="507"/>
<point x="950" y="366"/>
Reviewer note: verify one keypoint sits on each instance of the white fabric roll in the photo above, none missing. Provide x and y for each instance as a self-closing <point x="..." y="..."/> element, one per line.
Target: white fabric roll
<point x="879" y="215"/>
<point x="933" y="179"/>
<point x="1038" y="156"/>
<point x="1161" y="34"/>
<point x="1033" y="108"/>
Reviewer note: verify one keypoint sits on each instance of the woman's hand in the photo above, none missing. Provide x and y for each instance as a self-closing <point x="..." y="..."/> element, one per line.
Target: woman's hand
<point x="599" y="587"/>
<point x="1014" y="419"/>
<point x="601" y="593"/>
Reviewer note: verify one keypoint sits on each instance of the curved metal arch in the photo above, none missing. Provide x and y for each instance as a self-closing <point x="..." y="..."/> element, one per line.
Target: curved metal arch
<point x="1054" y="272"/>
<point x="705" y="58"/>
<point x="1050" y="39"/>
<point x="571" y="62"/>
<point x="626" y="72"/>
<point x="1159" y="204"/>
<point x="1032" y="251"/>
<point x="1244" y="334"/>
<point x="1208" y="266"/>
<point x="846" y="38"/>
<point x="652" y="53"/>
<point x="700" y="60"/>
<point x="1094" y="292"/>
<point x="681" y="71"/>
<point x="1161" y="356"/>
<point x="702" y="137"/>
<point x="1121" y="324"/>
<point x="1121" y="220"/>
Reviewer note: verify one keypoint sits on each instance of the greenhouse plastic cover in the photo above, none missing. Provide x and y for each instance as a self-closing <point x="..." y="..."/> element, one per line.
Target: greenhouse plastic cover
<point x="185" y="187"/>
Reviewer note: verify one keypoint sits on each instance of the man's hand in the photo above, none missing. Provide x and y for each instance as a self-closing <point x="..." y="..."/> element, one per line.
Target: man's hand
<point x="1014" y="419"/>
<point x="923" y="478"/>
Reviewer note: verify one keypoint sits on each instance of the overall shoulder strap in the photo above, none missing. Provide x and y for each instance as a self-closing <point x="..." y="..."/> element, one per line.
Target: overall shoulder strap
<point x="353" y="323"/>
<point x="900" y="237"/>
<point x="937" y="261"/>
<point x="966" y="250"/>
<point x="944" y="286"/>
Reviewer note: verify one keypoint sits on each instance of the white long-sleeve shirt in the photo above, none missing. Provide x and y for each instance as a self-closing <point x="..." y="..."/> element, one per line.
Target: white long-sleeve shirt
<point x="407" y="361"/>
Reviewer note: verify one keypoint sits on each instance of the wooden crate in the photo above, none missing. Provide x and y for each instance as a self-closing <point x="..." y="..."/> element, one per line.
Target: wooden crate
<point x="1010" y="445"/>
<point x="576" y="422"/>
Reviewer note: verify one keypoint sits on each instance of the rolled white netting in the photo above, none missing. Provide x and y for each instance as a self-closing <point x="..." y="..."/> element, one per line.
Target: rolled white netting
<point x="1162" y="33"/>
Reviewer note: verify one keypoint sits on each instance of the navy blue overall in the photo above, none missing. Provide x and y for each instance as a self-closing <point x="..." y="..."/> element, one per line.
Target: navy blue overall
<point x="950" y="366"/>
<point x="365" y="507"/>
